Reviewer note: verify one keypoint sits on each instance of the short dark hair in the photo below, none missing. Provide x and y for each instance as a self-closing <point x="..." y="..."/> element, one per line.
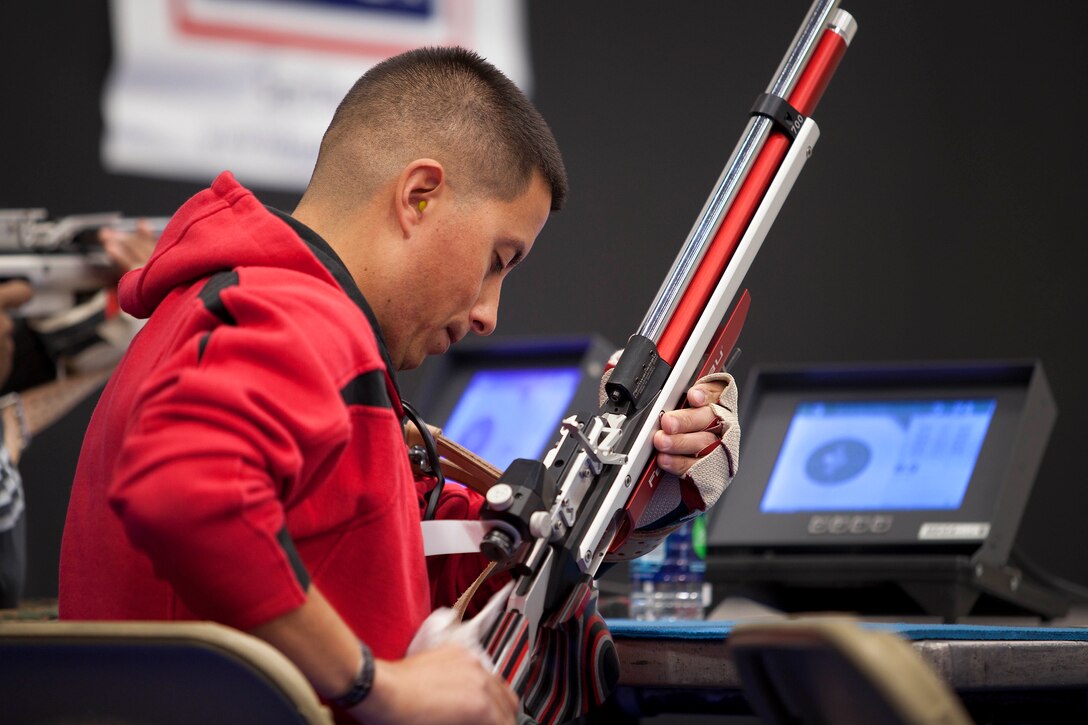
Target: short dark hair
<point x="449" y="104"/>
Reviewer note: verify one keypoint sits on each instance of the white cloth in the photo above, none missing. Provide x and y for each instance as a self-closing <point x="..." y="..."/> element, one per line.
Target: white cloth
<point x="444" y="626"/>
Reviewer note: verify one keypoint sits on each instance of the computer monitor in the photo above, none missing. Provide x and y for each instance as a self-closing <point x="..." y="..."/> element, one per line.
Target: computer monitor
<point x="505" y="398"/>
<point x="856" y="473"/>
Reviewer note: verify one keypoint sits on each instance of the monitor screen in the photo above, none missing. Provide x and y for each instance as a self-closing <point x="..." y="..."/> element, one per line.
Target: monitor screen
<point x="505" y="414"/>
<point x="880" y="457"/>
<point x="870" y="455"/>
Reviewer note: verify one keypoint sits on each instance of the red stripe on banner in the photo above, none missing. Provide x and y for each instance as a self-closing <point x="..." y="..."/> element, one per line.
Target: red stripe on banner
<point x="186" y="24"/>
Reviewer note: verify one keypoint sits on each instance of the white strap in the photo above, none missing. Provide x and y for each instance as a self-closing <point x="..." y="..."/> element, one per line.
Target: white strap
<point x="451" y="537"/>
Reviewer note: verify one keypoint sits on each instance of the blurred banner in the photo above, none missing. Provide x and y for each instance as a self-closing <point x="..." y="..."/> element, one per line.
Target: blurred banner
<point x="199" y="86"/>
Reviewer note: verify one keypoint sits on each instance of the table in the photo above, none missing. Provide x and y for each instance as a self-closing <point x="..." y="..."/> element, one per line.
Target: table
<point x="1002" y="673"/>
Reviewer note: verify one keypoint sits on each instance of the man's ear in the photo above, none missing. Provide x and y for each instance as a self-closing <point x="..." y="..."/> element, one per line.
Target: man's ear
<point x="420" y="186"/>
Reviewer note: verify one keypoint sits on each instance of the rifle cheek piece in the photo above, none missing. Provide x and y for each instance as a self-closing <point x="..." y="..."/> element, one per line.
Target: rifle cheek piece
<point x="525" y="488"/>
<point x="639" y="370"/>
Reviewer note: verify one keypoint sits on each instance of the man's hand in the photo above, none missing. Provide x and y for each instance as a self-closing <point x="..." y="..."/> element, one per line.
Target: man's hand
<point x="12" y="295"/>
<point x="444" y="678"/>
<point x="698" y="449"/>
<point x="700" y="444"/>
<point x="446" y="685"/>
<point x="687" y="432"/>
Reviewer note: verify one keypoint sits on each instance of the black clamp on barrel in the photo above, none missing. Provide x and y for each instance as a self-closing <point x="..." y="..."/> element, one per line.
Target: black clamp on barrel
<point x="640" y="370"/>
<point x="787" y="118"/>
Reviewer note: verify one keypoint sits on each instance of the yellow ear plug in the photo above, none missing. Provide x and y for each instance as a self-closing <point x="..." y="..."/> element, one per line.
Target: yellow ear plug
<point x="423" y="205"/>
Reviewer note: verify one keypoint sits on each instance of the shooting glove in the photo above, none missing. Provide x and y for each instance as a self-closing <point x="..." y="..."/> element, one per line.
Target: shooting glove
<point x="677" y="500"/>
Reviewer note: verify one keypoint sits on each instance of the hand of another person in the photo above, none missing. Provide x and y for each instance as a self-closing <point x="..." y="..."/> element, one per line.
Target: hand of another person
<point x="12" y="295"/>
<point x="128" y="250"/>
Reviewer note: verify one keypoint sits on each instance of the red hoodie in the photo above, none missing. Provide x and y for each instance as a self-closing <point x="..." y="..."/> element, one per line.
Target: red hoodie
<point x="249" y="441"/>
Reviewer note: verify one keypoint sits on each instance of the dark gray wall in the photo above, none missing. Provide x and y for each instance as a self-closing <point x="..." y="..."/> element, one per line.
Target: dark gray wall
<point x="940" y="218"/>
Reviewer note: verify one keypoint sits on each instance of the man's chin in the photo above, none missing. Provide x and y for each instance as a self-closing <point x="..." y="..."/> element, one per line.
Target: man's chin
<point x="414" y="359"/>
<point x="411" y="362"/>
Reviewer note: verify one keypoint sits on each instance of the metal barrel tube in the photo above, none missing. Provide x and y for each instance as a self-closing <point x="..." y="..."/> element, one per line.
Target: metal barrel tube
<point x="736" y="170"/>
<point x="808" y="89"/>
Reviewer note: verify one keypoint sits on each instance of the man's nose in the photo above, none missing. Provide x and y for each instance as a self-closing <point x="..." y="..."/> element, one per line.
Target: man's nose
<point x="485" y="313"/>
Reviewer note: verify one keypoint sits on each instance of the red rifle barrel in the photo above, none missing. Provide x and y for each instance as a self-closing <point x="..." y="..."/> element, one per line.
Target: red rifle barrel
<point x="806" y="94"/>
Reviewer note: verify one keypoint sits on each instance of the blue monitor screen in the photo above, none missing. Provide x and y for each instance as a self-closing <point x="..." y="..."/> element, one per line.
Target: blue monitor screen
<point x="878" y="455"/>
<point x="508" y="414"/>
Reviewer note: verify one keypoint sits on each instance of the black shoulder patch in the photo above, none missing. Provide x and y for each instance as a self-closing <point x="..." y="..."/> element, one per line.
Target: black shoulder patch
<point x="288" y="547"/>
<point x="213" y="288"/>
<point x="203" y="344"/>
<point x="367" y="389"/>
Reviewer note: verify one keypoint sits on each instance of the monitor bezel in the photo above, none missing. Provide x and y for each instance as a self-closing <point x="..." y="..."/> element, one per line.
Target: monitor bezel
<point x="738" y="522"/>
<point x="446" y="381"/>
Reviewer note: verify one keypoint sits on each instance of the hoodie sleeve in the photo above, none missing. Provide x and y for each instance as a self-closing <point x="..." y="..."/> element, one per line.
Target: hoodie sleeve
<point x="229" y="430"/>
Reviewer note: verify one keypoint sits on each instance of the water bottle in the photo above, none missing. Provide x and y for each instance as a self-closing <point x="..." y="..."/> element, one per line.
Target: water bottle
<point x="668" y="583"/>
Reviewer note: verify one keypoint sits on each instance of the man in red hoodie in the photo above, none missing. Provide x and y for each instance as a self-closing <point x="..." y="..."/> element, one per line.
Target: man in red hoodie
<point x="246" y="463"/>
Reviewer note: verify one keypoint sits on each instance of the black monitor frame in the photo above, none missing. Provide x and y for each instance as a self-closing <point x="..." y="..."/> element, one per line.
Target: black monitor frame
<point x="445" y="382"/>
<point x="972" y="542"/>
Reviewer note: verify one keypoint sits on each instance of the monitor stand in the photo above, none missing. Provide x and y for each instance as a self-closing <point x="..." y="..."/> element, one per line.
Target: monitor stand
<point x="947" y="586"/>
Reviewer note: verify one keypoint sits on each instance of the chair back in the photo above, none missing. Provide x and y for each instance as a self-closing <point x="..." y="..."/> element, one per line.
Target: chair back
<point x="148" y="672"/>
<point x="825" y="670"/>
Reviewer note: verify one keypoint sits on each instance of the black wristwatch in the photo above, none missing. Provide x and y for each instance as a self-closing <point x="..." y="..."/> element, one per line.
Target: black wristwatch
<point x="360" y="686"/>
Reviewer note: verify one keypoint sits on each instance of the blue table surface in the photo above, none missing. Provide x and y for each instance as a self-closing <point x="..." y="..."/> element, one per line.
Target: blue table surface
<point x="719" y="630"/>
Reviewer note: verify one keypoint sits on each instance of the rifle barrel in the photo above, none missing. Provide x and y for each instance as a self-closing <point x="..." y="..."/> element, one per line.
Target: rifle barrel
<point x="759" y="129"/>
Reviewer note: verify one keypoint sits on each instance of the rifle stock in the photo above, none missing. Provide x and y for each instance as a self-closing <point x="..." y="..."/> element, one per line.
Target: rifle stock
<point x="60" y="259"/>
<point x="58" y="279"/>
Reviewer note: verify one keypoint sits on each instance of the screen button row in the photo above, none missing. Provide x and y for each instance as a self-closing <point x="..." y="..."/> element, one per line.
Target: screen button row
<point x="839" y="524"/>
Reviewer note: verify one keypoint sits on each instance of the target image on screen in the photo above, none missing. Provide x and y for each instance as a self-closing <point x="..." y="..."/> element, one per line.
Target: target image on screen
<point x="878" y="455"/>
<point x="508" y="414"/>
